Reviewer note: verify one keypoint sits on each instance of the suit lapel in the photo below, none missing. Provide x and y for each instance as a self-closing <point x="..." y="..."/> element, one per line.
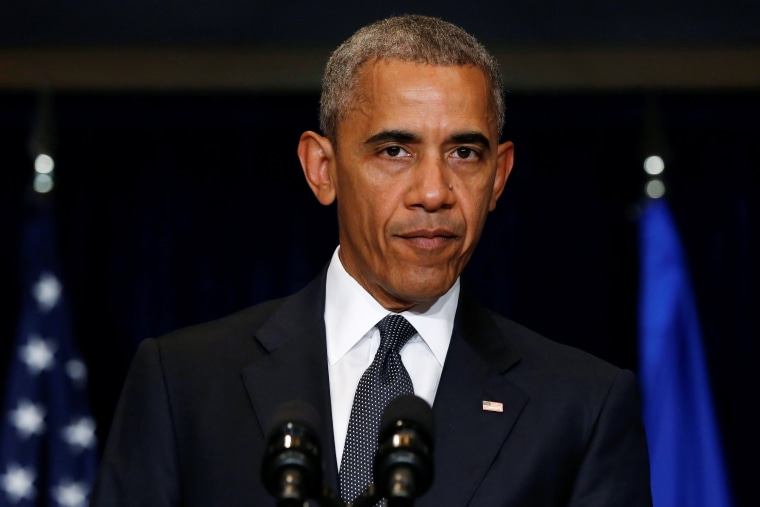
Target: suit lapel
<point x="467" y="436"/>
<point x="295" y="367"/>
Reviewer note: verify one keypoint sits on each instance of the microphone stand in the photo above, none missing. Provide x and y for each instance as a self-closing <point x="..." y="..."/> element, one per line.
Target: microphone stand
<point x="368" y="498"/>
<point x="328" y="498"/>
<point x="371" y="496"/>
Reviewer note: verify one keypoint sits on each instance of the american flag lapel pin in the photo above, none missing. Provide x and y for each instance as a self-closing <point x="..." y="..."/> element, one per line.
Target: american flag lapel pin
<point x="493" y="406"/>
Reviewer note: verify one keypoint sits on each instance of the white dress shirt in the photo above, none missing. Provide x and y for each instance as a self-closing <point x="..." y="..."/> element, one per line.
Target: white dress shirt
<point x="352" y="341"/>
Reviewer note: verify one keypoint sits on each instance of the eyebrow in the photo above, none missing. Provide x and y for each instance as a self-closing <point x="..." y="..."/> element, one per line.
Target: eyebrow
<point x="403" y="136"/>
<point x="392" y="135"/>
<point x="472" y="138"/>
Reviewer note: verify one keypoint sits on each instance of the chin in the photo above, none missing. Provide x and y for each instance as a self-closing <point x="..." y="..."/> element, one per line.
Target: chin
<point x="421" y="291"/>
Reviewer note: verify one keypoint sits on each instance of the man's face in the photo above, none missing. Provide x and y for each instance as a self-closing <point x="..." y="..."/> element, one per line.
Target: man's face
<point x="416" y="169"/>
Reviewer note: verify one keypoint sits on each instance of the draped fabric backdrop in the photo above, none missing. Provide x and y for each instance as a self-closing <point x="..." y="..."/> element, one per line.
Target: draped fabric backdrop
<point x="175" y="209"/>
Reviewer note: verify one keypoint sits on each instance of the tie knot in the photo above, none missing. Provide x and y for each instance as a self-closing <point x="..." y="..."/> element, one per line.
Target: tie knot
<point x="395" y="331"/>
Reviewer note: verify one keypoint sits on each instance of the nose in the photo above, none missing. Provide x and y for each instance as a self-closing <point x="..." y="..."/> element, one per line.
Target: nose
<point x="432" y="187"/>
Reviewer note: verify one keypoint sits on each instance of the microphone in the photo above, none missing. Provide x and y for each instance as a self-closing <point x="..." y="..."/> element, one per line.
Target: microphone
<point x="291" y="469"/>
<point x="404" y="458"/>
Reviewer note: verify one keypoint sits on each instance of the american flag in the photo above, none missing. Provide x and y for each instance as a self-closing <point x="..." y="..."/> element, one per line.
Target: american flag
<point x="48" y="451"/>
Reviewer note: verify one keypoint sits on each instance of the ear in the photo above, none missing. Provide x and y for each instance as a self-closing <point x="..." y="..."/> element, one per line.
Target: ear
<point x="317" y="158"/>
<point x="504" y="161"/>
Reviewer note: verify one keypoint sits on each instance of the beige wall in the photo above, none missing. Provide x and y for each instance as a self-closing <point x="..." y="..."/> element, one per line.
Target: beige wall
<point x="263" y="69"/>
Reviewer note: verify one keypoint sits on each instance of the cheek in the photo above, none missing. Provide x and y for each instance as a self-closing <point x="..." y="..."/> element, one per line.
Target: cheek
<point x="475" y="209"/>
<point x="380" y="205"/>
<point x="368" y="216"/>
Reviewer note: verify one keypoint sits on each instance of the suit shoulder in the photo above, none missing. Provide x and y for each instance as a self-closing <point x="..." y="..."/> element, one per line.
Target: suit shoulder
<point x="241" y="324"/>
<point x="560" y="379"/>
<point x="225" y="342"/>
<point x="539" y="353"/>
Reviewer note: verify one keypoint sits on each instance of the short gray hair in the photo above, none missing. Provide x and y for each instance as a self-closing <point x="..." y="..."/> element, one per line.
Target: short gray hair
<point x="409" y="38"/>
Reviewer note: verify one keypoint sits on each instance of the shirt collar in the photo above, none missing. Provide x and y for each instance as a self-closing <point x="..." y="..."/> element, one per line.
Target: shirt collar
<point x="351" y="312"/>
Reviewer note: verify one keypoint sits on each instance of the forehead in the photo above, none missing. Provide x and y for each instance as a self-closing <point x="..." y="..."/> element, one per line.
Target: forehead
<point x="393" y="94"/>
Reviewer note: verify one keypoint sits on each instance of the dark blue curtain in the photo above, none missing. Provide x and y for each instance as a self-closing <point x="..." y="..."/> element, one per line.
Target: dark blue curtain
<point x="175" y="209"/>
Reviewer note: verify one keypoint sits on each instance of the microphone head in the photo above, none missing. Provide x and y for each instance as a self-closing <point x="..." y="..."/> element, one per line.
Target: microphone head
<point x="291" y="468"/>
<point x="404" y="460"/>
<point x="408" y="411"/>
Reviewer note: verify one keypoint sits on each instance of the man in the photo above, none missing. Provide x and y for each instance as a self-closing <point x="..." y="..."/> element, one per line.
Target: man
<point x="411" y="116"/>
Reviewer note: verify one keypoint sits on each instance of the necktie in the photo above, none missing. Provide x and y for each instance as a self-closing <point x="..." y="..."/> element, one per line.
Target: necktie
<point x="385" y="379"/>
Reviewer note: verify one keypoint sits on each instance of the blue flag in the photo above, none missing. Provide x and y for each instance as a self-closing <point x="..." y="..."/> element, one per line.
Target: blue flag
<point x="48" y="450"/>
<point x="684" y="445"/>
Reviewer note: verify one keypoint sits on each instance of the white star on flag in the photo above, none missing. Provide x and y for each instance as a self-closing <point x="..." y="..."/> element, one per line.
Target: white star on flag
<point x="28" y="418"/>
<point x="80" y="434"/>
<point x="70" y="494"/>
<point x="47" y="291"/>
<point x="18" y="483"/>
<point x="38" y="354"/>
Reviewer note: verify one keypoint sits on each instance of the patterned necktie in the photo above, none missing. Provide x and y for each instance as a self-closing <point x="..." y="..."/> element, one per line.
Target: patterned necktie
<point x="385" y="379"/>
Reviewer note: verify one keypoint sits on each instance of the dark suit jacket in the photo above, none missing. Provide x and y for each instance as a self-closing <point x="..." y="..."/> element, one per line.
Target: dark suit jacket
<point x="189" y="429"/>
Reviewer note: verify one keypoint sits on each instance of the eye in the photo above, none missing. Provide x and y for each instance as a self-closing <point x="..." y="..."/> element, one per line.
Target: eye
<point x="395" y="151"/>
<point x="466" y="153"/>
